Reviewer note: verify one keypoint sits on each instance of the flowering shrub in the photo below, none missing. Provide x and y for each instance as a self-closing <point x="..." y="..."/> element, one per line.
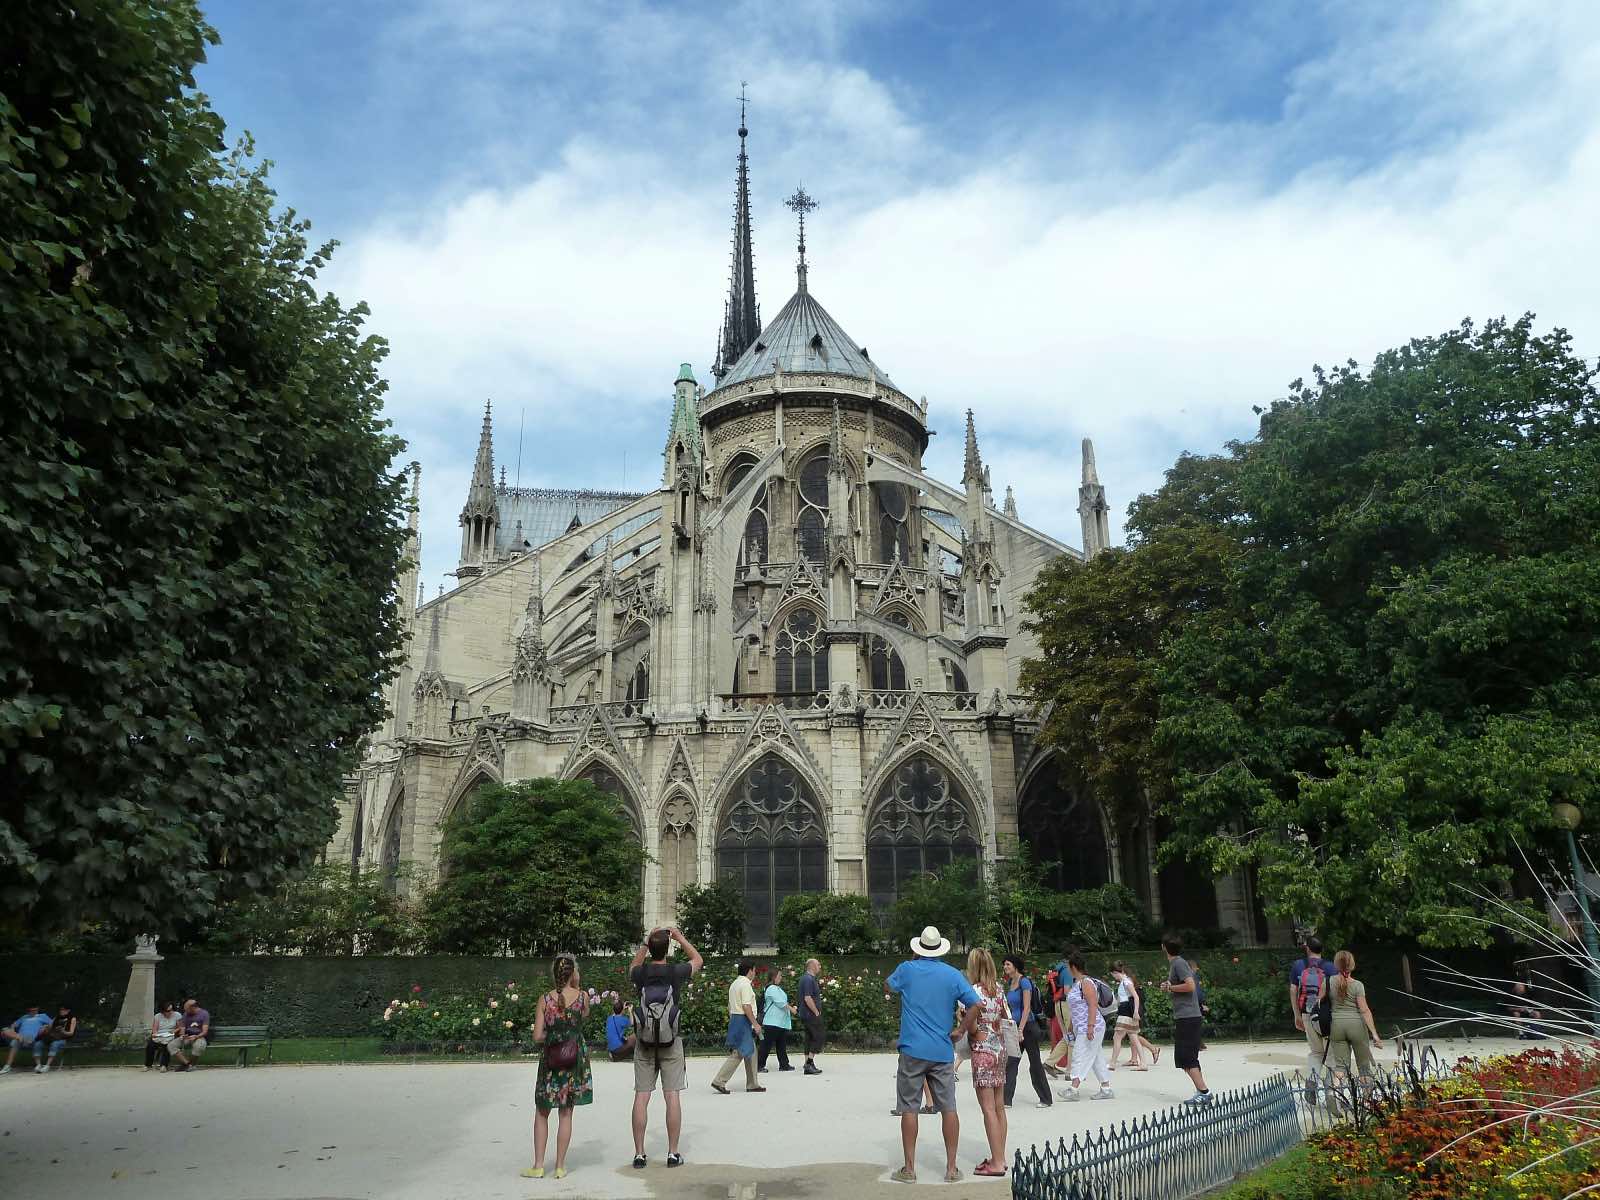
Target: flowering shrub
<point x="1457" y="1145"/>
<point x="1238" y="993"/>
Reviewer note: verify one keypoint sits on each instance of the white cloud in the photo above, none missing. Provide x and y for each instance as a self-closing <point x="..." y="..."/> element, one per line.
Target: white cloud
<point x="1148" y="309"/>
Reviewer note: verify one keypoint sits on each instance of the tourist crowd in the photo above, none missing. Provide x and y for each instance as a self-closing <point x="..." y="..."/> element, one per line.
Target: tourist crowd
<point x="992" y="1017"/>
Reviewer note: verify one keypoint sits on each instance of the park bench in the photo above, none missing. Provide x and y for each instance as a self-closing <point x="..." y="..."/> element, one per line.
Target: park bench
<point x="240" y="1038"/>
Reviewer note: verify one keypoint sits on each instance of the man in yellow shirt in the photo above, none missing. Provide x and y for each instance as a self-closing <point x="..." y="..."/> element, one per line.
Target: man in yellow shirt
<point x="744" y="1027"/>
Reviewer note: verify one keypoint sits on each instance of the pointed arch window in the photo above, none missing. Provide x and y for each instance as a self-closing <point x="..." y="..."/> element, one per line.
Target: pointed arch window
<point x="884" y="666"/>
<point x="772" y="841"/>
<point x="920" y="822"/>
<point x="894" y="531"/>
<point x="605" y="779"/>
<point x="389" y="856"/>
<point x="639" y="682"/>
<point x="357" y="820"/>
<point x="801" y="660"/>
<point x="753" y="549"/>
<point x="1063" y="829"/>
<point x="811" y="526"/>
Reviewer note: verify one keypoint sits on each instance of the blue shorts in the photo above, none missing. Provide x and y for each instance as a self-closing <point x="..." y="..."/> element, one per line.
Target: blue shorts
<point x="19" y="1045"/>
<point x="56" y="1047"/>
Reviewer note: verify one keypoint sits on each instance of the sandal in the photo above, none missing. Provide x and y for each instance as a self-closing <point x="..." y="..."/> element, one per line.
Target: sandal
<point x="990" y="1171"/>
<point x="533" y="1172"/>
<point x="927" y="1110"/>
<point x="904" y="1176"/>
<point x="953" y="1175"/>
<point x="1155" y="1054"/>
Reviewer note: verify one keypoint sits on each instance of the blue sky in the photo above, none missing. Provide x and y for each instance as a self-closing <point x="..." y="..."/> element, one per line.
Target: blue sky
<point x="1126" y="222"/>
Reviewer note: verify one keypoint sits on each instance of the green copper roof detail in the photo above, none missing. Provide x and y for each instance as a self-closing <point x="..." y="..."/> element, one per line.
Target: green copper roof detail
<point x="686" y="373"/>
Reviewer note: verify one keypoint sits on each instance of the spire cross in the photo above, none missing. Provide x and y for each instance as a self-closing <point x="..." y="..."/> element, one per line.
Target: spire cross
<point x="800" y="204"/>
<point x="742" y="99"/>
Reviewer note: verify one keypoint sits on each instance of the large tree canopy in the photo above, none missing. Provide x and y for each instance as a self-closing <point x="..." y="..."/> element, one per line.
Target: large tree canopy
<point x="537" y="868"/>
<point x="1362" y="653"/>
<point x="199" y="525"/>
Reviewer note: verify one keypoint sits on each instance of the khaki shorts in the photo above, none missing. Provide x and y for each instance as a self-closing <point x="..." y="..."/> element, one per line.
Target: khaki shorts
<point x="909" y="1077"/>
<point x="664" y="1062"/>
<point x="192" y="1049"/>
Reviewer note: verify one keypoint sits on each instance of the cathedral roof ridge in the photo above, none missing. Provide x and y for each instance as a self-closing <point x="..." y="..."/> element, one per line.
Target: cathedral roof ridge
<point x="567" y="493"/>
<point x="804" y="337"/>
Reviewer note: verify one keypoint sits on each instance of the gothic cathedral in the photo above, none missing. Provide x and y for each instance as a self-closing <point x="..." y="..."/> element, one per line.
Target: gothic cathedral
<point x="794" y="664"/>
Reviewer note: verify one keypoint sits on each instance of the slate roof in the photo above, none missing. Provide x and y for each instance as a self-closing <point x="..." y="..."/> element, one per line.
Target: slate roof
<point x="803" y="337"/>
<point x="547" y="513"/>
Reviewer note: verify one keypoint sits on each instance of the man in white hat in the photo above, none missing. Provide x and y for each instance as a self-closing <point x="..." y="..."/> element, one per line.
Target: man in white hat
<point x="929" y="991"/>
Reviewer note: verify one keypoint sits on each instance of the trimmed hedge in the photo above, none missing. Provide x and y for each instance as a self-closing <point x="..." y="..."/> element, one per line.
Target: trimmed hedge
<point x="345" y="997"/>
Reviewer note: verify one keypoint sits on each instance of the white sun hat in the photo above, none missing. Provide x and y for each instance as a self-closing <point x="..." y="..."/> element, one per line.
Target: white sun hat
<point x="930" y="944"/>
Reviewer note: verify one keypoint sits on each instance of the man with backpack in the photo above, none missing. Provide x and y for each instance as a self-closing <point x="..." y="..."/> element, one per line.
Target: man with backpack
<point x="659" y="1052"/>
<point x="1307" y="977"/>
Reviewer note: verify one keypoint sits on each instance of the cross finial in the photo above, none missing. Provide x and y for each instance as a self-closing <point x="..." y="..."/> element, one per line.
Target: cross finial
<point x="800" y="204"/>
<point x="742" y="99"/>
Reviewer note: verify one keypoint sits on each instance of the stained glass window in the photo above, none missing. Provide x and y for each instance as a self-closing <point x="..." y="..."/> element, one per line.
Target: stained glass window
<point x="893" y="532"/>
<point x="606" y="781"/>
<point x="801" y="660"/>
<point x="920" y="822"/>
<point x="811" y="525"/>
<point x="1063" y="828"/>
<point x="772" y="841"/>
<point x="885" y="668"/>
<point x="389" y="857"/>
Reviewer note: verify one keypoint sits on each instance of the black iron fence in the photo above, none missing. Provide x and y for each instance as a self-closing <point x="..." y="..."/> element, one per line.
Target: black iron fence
<point x="1170" y="1154"/>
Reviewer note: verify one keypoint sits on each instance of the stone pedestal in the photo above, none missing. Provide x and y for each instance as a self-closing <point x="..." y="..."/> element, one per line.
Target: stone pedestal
<point x="139" y="1001"/>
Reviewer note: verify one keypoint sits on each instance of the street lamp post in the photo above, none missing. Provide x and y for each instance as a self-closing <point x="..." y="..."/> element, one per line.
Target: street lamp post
<point x="1569" y="817"/>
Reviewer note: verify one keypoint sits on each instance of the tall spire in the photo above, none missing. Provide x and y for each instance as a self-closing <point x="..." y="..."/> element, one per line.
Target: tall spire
<point x="430" y="661"/>
<point x="684" y="429"/>
<point x="741" y="319"/>
<point x="836" y="443"/>
<point x="480" y="516"/>
<point x="972" y="467"/>
<point x="800" y="204"/>
<point x="482" y="490"/>
<point x="1010" y="509"/>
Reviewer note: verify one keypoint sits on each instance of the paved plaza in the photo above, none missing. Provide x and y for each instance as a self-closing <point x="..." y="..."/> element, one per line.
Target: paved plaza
<point x="460" y="1130"/>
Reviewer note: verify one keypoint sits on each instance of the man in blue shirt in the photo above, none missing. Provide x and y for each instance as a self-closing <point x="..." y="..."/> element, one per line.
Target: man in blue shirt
<point x="929" y="991"/>
<point x="619" y="1035"/>
<point x="1307" y="977"/>
<point x="25" y="1031"/>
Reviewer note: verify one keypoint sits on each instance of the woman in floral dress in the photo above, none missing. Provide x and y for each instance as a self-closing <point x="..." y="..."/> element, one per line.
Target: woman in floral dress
<point x="989" y="1058"/>
<point x="559" y="1027"/>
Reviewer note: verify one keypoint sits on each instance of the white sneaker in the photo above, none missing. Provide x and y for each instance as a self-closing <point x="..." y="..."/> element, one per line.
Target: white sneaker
<point x="1042" y="1104"/>
<point x="45" y="1070"/>
<point x="1067" y="1093"/>
<point x="38" y="1069"/>
<point x="5" y="1070"/>
<point x="1105" y="1093"/>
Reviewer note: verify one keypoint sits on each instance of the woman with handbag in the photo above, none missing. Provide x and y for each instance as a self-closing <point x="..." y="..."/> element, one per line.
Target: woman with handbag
<point x="988" y="1040"/>
<point x="564" y="1080"/>
<point x="1026" y="1012"/>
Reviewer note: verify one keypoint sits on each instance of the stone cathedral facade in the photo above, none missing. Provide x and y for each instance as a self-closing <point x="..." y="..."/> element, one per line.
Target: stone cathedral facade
<point x="794" y="663"/>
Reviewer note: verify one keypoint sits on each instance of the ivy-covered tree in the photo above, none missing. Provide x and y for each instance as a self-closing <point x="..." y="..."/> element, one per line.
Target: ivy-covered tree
<point x="199" y="516"/>
<point x="826" y="923"/>
<point x="957" y="898"/>
<point x="536" y="868"/>
<point x="331" y="910"/>
<point x="1407" y="670"/>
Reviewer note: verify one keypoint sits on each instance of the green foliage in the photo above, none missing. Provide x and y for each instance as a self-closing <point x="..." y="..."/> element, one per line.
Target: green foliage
<point x="1094" y="919"/>
<point x="714" y="916"/>
<point x="199" y="526"/>
<point x="1408" y="669"/>
<point x="956" y="898"/>
<point x="539" y="867"/>
<point x="1021" y="898"/>
<point x="1360" y="654"/>
<point x="1102" y="627"/>
<point x="826" y="923"/>
<point x="330" y="910"/>
<point x="298" y="996"/>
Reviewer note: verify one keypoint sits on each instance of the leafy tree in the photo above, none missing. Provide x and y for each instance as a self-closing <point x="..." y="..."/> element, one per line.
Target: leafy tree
<point x="714" y="917"/>
<point x="199" y="525"/>
<point x="330" y="910"/>
<point x="826" y="923"/>
<point x="1407" y="668"/>
<point x="956" y="898"/>
<point x="1103" y="918"/>
<point x="1102" y="628"/>
<point x="536" y="868"/>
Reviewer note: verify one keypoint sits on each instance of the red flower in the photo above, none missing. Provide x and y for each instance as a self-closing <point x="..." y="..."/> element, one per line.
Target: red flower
<point x="416" y="987"/>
